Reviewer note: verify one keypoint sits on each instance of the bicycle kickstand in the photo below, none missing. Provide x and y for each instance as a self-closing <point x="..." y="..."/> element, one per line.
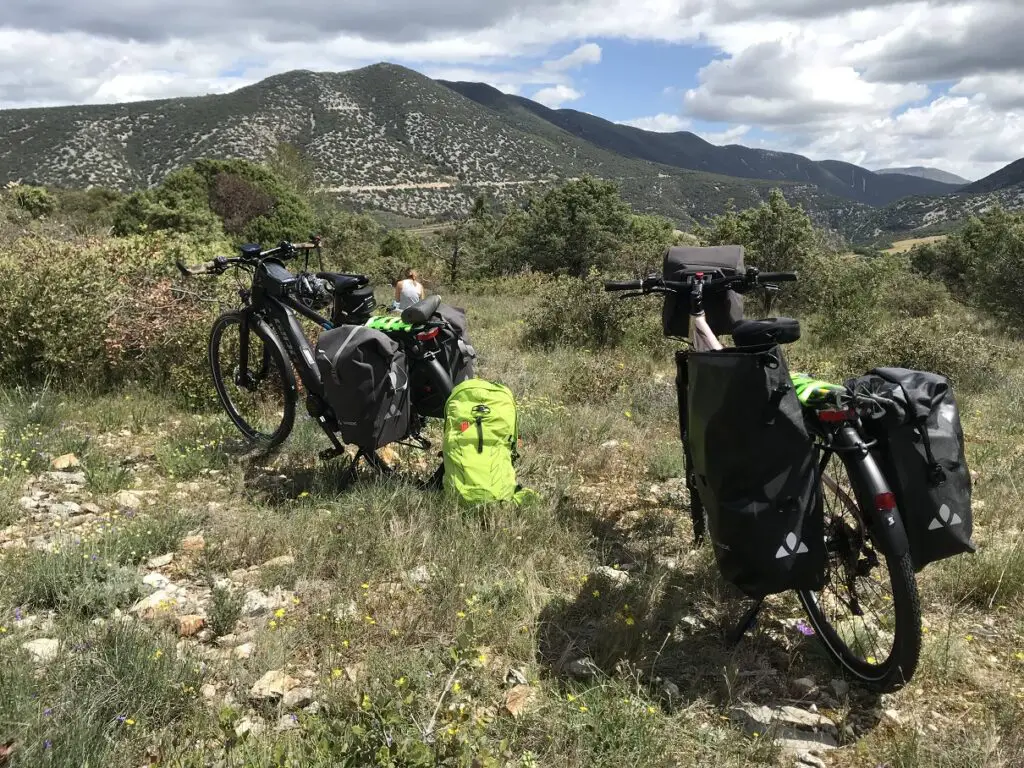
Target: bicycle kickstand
<point x="746" y="623"/>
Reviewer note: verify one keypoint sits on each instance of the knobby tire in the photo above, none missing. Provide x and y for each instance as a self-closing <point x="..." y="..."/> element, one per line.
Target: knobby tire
<point x="261" y="441"/>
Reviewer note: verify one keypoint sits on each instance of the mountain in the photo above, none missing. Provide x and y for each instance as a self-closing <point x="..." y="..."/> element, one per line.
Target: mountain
<point x="381" y="137"/>
<point x="1003" y="179"/>
<point x="920" y="216"/>
<point x="921" y="172"/>
<point x="683" y="149"/>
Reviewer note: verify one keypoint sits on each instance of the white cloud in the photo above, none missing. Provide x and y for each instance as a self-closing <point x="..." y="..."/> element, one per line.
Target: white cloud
<point x="555" y="96"/>
<point x="728" y="136"/>
<point x="661" y="123"/>
<point x="589" y="53"/>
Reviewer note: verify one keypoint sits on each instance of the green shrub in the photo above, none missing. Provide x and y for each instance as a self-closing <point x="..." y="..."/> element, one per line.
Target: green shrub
<point x="102" y="312"/>
<point x="580" y="313"/>
<point x="248" y="201"/>
<point x="943" y="344"/>
<point x="36" y="201"/>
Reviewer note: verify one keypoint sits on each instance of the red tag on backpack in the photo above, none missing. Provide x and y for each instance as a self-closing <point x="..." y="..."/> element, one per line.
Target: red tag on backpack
<point x="464" y="426"/>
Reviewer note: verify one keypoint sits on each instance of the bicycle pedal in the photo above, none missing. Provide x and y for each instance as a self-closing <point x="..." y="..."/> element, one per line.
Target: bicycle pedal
<point x="331" y="453"/>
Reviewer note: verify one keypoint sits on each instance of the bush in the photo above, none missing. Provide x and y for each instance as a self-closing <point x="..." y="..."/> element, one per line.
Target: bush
<point x="36" y="201"/>
<point x="943" y="344"/>
<point x="579" y="313"/>
<point x="98" y="313"/>
<point x="248" y="201"/>
<point x="978" y="263"/>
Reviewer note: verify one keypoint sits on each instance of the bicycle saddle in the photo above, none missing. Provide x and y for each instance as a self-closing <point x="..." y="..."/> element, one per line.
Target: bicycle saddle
<point x="342" y="281"/>
<point x="770" y="330"/>
<point x="421" y="312"/>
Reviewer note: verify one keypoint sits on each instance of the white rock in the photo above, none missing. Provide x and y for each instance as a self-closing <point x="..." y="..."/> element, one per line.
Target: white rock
<point x="613" y="575"/>
<point x="243" y="651"/>
<point x="160" y="562"/>
<point x="272" y="686"/>
<point x="840" y="688"/>
<point x="44" y="650"/>
<point x="27" y="503"/>
<point x="287" y="723"/>
<point x="582" y="668"/>
<point x="279" y="562"/>
<point x="297" y="698"/>
<point x="258" y="603"/>
<point x="209" y="691"/>
<point x="128" y="499"/>
<point x="803" y="687"/>
<point x="156" y="580"/>
<point x="161" y="600"/>
<point x="250" y="726"/>
<point x="609" y="445"/>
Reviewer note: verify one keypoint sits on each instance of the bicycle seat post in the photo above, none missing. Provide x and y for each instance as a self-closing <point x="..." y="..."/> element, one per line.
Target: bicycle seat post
<point x="771" y="292"/>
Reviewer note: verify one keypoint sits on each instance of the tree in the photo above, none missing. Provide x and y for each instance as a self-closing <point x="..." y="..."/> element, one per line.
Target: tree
<point x="981" y="263"/>
<point x="776" y="236"/>
<point x="576" y="226"/>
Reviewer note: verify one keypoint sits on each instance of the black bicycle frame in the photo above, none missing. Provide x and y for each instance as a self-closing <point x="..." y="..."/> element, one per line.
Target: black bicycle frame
<point x="278" y="313"/>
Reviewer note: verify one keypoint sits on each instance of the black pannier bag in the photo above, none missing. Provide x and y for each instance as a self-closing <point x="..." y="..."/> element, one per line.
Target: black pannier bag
<point x="921" y="451"/>
<point x="722" y="310"/>
<point x="456" y="357"/>
<point x="756" y="470"/>
<point x="353" y="307"/>
<point x="366" y="383"/>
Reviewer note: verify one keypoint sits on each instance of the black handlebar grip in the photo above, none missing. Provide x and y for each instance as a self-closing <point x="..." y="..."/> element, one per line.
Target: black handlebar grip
<point x="776" y="277"/>
<point x="623" y="285"/>
<point x="182" y="268"/>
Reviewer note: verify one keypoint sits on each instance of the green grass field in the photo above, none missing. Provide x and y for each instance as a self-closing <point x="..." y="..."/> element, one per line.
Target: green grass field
<point x="149" y="587"/>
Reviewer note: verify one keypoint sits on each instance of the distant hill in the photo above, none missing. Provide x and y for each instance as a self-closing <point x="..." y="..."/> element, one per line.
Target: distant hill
<point x="683" y="149"/>
<point x="1005" y="178"/>
<point x="933" y="174"/>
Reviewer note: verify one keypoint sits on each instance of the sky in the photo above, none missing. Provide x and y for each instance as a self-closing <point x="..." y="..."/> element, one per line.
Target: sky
<point x="880" y="83"/>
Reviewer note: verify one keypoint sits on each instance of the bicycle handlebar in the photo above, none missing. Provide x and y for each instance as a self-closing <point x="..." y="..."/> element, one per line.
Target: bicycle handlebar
<point x="283" y="250"/>
<point x="750" y="278"/>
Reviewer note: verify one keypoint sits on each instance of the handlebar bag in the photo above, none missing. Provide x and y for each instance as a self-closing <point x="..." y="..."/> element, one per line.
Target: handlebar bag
<point x="722" y="309"/>
<point x="366" y="384"/>
<point x="921" y="451"/>
<point x="755" y="470"/>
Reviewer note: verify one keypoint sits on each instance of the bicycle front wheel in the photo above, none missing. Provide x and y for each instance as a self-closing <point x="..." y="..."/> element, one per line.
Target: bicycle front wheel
<point x="259" y="400"/>
<point x="868" y="615"/>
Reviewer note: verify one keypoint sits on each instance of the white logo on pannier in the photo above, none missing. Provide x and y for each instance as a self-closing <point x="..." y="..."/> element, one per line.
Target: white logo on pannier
<point x="945" y="519"/>
<point x="791" y="546"/>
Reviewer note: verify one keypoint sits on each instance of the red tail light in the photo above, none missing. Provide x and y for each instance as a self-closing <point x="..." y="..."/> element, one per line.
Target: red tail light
<point x="833" y="416"/>
<point x="428" y="335"/>
<point x="885" y="502"/>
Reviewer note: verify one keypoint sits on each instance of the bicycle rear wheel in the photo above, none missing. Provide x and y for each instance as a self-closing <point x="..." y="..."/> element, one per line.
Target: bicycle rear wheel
<point x="868" y="615"/>
<point x="259" y="400"/>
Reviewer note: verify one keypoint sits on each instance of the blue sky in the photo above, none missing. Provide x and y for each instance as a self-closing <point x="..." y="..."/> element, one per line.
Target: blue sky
<point x="874" y="82"/>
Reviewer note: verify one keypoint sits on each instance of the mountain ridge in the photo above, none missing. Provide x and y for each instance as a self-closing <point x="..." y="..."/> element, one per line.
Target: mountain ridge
<point x="689" y="151"/>
<point x="934" y="174"/>
<point x="388" y="138"/>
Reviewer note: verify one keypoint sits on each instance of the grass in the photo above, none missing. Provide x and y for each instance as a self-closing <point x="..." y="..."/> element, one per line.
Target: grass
<point x="902" y="246"/>
<point x="408" y="617"/>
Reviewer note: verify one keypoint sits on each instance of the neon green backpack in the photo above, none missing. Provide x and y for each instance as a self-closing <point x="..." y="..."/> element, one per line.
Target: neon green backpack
<point x="481" y="436"/>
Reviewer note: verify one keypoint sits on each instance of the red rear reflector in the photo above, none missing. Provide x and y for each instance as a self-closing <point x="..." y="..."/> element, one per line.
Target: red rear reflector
<point x="428" y="335"/>
<point x="830" y="416"/>
<point x="885" y="502"/>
